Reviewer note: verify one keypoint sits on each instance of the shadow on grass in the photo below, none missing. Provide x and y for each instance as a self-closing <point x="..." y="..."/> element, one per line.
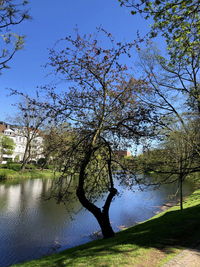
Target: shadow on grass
<point x="174" y="229"/>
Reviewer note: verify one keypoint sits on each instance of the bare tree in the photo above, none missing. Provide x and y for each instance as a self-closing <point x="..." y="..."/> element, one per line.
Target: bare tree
<point x="105" y="115"/>
<point x="29" y="122"/>
<point x="174" y="88"/>
<point x="174" y="159"/>
<point x="56" y="141"/>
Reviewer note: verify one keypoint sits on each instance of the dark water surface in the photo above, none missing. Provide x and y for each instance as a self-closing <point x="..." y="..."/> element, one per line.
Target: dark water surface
<point x="31" y="227"/>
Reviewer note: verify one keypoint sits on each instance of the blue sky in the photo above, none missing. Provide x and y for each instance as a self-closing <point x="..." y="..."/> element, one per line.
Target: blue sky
<point x="52" y="20"/>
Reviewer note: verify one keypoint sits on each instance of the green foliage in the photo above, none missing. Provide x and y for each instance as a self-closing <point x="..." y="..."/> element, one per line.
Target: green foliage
<point x="13" y="166"/>
<point x="7" y="145"/>
<point x="6" y="174"/>
<point x="152" y="160"/>
<point x="41" y="162"/>
<point x="50" y="167"/>
<point x="176" y="158"/>
<point x="9" y="160"/>
<point x="12" y="12"/>
<point x="177" y="21"/>
<point x="3" y="176"/>
<point x="3" y="166"/>
<point x="16" y="159"/>
<point x="15" y="175"/>
<point x="56" y="141"/>
<point x="30" y="166"/>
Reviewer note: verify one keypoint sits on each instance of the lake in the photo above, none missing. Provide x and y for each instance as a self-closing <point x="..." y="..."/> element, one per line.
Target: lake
<point x="31" y="227"/>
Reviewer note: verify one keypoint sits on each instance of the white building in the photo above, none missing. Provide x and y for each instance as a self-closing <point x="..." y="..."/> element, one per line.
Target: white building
<point x="17" y="134"/>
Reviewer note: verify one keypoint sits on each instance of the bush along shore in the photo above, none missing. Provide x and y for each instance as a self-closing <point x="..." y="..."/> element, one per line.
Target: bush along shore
<point x="13" y="171"/>
<point x="151" y="243"/>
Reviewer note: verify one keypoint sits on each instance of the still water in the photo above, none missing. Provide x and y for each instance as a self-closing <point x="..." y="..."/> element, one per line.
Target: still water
<point x="31" y="227"/>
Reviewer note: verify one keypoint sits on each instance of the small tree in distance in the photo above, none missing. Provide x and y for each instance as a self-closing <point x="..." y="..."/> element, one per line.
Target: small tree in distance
<point x="105" y="115"/>
<point x="30" y="121"/>
<point x="56" y="141"/>
<point x="174" y="159"/>
<point x="7" y="146"/>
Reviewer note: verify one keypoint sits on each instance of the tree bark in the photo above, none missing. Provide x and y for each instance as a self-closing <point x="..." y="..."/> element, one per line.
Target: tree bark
<point x="102" y="216"/>
<point x="26" y="155"/>
<point x="24" y="160"/>
<point x="181" y="191"/>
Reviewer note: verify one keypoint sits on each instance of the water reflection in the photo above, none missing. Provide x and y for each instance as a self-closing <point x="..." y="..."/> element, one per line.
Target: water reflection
<point x="31" y="227"/>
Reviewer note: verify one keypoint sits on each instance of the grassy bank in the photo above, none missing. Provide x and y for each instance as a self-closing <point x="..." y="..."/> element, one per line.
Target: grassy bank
<point x="150" y="243"/>
<point x="8" y="174"/>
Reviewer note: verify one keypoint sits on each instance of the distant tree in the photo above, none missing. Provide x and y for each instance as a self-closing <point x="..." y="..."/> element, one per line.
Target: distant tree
<point x="105" y="115"/>
<point x="179" y="23"/>
<point x="174" y="91"/>
<point x="29" y="121"/>
<point x="7" y="146"/>
<point x="12" y="12"/>
<point x="174" y="160"/>
<point x="56" y="142"/>
<point x="174" y="87"/>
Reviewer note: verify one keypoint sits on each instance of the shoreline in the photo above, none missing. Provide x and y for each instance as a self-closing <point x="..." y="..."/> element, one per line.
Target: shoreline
<point x="9" y="175"/>
<point x="167" y="206"/>
<point x="140" y="243"/>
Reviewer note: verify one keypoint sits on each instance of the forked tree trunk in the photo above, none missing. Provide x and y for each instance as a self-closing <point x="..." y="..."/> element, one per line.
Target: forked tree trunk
<point x="105" y="225"/>
<point x="102" y="216"/>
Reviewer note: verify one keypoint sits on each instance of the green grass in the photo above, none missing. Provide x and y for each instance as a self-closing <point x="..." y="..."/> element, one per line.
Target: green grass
<point x="8" y="174"/>
<point x="154" y="241"/>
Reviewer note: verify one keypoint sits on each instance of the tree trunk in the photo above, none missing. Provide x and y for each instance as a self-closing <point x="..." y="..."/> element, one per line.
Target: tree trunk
<point x="26" y="155"/>
<point x="181" y="191"/>
<point x="24" y="162"/>
<point x="105" y="225"/>
<point x="102" y="216"/>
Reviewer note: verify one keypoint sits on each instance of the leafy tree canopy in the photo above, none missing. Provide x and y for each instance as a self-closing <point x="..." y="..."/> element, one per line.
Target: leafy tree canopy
<point x="177" y="20"/>
<point x="7" y="145"/>
<point x="12" y="12"/>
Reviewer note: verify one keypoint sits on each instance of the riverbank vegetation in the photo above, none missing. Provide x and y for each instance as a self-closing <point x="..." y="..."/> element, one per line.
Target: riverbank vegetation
<point x="12" y="171"/>
<point x="151" y="243"/>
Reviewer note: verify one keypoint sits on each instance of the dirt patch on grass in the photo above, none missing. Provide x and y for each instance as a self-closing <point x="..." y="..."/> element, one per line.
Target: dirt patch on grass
<point x="151" y="259"/>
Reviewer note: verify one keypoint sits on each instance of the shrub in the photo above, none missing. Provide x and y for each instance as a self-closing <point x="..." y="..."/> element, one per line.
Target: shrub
<point x="41" y="162"/>
<point x="9" y="160"/>
<point x="3" y="166"/>
<point x="30" y="166"/>
<point x="16" y="159"/>
<point x="50" y="167"/>
<point x="3" y="176"/>
<point x="14" y="166"/>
